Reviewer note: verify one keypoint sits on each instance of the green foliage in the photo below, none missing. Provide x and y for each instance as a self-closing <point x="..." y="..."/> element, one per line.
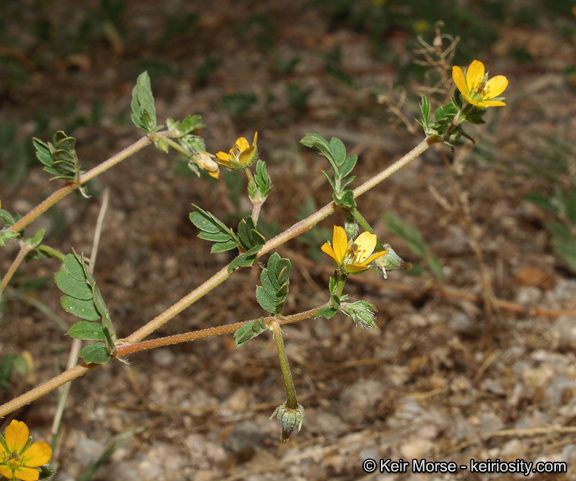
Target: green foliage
<point x="250" y="239"/>
<point x="250" y="330"/>
<point x="190" y="125"/>
<point x="60" y="159"/>
<point x="327" y="312"/>
<point x="248" y="235"/>
<point x="416" y="243"/>
<point x="246" y="259"/>
<point x="342" y="165"/>
<point x="143" y="107"/>
<point x="275" y="279"/>
<point x="214" y="230"/>
<point x="82" y="298"/>
<point x="262" y="185"/>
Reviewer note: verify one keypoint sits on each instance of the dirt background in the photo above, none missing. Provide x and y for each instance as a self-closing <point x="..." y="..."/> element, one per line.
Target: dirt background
<point x="432" y="382"/>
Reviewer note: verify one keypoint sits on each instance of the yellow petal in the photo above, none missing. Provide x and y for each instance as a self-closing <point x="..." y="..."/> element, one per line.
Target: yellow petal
<point x="223" y="156"/>
<point x="16" y="436"/>
<point x="37" y="454"/>
<point x="242" y="144"/>
<point x="339" y="243"/>
<point x="373" y="257"/>
<point x="255" y="138"/>
<point x="475" y="74"/>
<point x="366" y="243"/>
<point x="459" y="80"/>
<point x="215" y="174"/>
<point x="27" y="474"/>
<point x="327" y="248"/>
<point x="473" y="102"/>
<point x="496" y="86"/>
<point x="246" y="155"/>
<point x="356" y="268"/>
<point x="492" y="103"/>
<point x="4" y="471"/>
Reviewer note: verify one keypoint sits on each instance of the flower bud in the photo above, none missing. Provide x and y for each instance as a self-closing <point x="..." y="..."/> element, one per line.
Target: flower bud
<point x="289" y="419"/>
<point x="391" y="262"/>
<point x="361" y="312"/>
<point x="351" y="226"/>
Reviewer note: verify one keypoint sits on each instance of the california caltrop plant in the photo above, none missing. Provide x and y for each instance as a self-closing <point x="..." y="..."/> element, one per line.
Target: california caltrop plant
<point x="354" y="248"/>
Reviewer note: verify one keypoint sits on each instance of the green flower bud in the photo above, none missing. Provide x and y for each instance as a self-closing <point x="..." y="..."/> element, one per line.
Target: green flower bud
<point x="391" y="262"/>
<point x="362" y="312"/>
<point x="161" y="145"/>
<point x="289" y="419"/>
<point x="351" y="226"/>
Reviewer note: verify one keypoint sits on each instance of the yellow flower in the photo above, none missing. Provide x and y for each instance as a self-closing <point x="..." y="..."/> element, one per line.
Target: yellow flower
<point x="353" y="257"/>
<point x="20" y="462"/>
<point x="476" y="88"/>
<point x="242" y="155"/>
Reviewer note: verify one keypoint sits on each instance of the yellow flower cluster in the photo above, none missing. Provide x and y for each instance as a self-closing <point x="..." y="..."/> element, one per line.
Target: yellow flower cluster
<point x="18" y="460"/>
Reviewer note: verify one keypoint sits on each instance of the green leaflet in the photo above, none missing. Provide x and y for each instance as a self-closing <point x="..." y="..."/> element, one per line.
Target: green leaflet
<point x="143" y="107"/>
<point x="83" y="299"/>
<point x="60" y="159"/>
<point x="272" y="294"/>
<point x="95" y="353"/>
<point x="341" y="163"/>
<point x="250" y="330"/>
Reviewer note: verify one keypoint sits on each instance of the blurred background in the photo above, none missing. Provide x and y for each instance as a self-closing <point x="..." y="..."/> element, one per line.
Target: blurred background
<point x="424" y="385"/>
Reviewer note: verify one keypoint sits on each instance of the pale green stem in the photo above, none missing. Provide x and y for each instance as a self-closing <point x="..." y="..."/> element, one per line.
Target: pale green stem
<point x="291" y="401"/>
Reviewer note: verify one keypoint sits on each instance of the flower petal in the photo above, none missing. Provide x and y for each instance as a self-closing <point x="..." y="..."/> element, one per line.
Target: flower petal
<point x="339" y="243"/>
<point x="4" y="471"/>
<point x="459" y="79"/>
<point x="373" y="257"/>
<point x="246" y="156"/>
<point x="366" y="243"/>
<point x="37" y="454"/>
<point x="496" y="86"/>
<point x="16" y="436"/>
<point x="475" y="74"/>
<point x="27" y="474"/>
<point x="327" y="248"/>
<point x="492" y="103"/>
<point x="356" y="268"/>
<point x="223" y="156"/>
<point x="255" y="138"/>
<point x="242" y="144"/>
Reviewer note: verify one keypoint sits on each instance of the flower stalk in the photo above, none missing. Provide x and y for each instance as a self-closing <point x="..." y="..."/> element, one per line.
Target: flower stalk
<point x="291" y="401"/>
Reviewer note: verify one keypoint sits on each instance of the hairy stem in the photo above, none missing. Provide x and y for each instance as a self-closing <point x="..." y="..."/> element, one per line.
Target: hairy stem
<point x="291" y="400"/>
<point x="96" y="171"/>
<point x="24" y="249"/>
